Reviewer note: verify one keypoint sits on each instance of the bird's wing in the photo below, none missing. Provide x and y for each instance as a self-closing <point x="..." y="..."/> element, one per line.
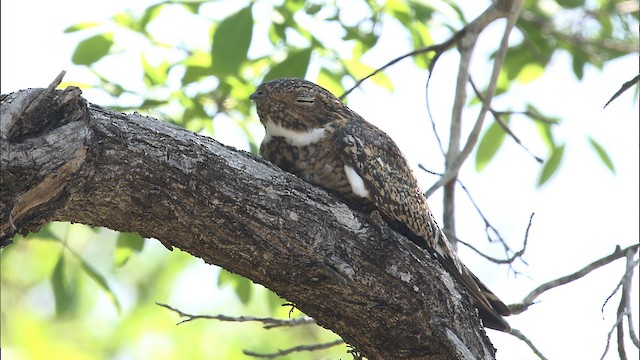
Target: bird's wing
<point x="395" y="192"/>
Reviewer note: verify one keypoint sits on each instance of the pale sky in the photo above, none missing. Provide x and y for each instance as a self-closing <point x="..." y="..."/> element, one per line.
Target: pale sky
<point x="581" y="215"/>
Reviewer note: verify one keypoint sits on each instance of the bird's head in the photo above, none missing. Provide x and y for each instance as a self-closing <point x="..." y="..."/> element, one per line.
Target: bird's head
<point x="296" y="104"/>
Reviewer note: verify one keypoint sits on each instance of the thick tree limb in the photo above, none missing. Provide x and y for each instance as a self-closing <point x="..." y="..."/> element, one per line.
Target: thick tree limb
<point x="72" y="161"/>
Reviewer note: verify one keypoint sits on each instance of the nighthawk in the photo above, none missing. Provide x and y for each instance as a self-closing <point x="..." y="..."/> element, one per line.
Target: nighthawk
<point x="312" y="134"/>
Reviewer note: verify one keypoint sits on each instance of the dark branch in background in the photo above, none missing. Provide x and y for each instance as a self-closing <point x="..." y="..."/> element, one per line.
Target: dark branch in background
<point x="498" y="118"/>
<point x="300" y="348"/>
<point x="626" y="86"/>
<point x="268" y="323"/>
<point x="520" y="335"/>
<point x="511" y="255"/>
<point x="529" y="299"/>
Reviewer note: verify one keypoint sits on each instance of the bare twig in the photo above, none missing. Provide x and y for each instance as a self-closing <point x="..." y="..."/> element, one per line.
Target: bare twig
<point x="437" y="48"/>
<point x="516" y="255"/>
<point x="511" y="255"/>
<point x="268" y="323"/>
<point x="624" y="308"/>
<point x="526" y="340"/>
<point x="613" y="328"/>
<point x="498" y="118"/>
<point x="314" y="347"/>
<point x="456" y="158"/>
<point x="528" y="300"/>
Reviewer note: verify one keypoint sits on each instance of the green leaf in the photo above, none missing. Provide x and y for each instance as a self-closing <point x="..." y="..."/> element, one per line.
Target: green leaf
<point x="231" y="42"/>
<point x="578" y="61"/>
<point x="295" y="65"/>
<point x="551" y="165"/>
<point x="154" y="75"/>
<point x="242" y="286"/>
<point x="489" y="145"/>
<point x="63" y="291"/>
<point x="81" y="26"/>
<point x="602" y="153"/>
<point x="92" y="49"/>
<point x="530" y="72"/>
<point x="570" y="4"/>
<point x="359" y="70"/>
<point x="421" y="38"/>
<point x="101" y="281"/>
<point x="331" y="81"/>
<point x="150" y="13"/>
<point x="127" y="244"/>
<point x="197" y="66"/>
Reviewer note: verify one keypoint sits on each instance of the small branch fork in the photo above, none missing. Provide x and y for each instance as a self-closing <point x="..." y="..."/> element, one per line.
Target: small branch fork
<point x="530" y="298"/>
<point x="511" y="255"/>
<point x="268" y="323"/>
<point x="314" y="347"/>
<point x="625" y="308"/>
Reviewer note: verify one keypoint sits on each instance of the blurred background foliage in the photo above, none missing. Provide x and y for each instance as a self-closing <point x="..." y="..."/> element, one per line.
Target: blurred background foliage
<point x="75" y="292"/>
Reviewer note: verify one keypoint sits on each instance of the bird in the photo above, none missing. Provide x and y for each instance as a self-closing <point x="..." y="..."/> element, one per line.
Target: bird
<point x="311" y="133"/>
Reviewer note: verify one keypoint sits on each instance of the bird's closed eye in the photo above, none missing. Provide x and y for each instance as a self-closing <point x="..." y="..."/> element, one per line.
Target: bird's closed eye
<point x="305" y="99"/>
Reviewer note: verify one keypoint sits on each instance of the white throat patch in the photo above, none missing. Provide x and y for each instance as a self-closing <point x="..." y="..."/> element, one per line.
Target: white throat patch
<point x="293" y="137"/>
<point x="356" y="182"/>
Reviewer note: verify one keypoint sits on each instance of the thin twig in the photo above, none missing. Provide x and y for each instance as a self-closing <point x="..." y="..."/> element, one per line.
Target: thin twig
<point x="437" y="48"/>
<point x="314" y="347"/>
<point x="528" y="300"/>
<point x="517" y="255"/>
<point x="498" y="118"/>
<point x="526" y="340"/>
<point x="511" y="255"/>
<point x="613" y="328"/>
<point x="268" y="323"/>
<point x="454" y="164"/>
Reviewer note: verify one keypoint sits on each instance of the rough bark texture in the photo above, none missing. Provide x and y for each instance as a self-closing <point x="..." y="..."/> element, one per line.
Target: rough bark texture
<point x="66" y="160"/>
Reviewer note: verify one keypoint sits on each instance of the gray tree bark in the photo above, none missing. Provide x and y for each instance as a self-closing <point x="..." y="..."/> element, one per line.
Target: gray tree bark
<point x="63" y="159"/>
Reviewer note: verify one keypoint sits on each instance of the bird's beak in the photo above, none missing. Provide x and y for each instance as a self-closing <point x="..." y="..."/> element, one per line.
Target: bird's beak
<point x="256" y="95"/>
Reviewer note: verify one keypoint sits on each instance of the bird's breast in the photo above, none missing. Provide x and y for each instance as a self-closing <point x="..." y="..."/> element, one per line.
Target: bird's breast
<point x="317" y="162"/>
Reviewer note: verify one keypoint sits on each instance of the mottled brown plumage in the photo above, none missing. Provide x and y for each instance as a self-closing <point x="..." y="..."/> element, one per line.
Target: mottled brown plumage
<point x="311" y="133"/>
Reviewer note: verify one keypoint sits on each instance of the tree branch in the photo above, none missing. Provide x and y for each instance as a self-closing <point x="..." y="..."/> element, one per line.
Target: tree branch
<point x="529" y="299"/>
<point x="300" y="348"/>
<point x="73" y="161"/>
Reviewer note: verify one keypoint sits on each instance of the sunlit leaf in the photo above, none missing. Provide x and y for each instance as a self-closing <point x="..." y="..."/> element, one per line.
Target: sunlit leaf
<point x="551" y="165"/>
<point x="150" y="13"/>
<point x="92" y="49"/>
<point x="295" y="65"/>
<point x="330" y="81"/>
<point x="154" y="74"/>
<point x="197" y="66"/>
<point x="489" y="145"/>
<point x="81" y="26"/>
<point x="421" y="37"/>
<point x="530" y="72"/>
<point x="602" y="153"/>
<point x="359" y="70"/>
<point x="231" y="42"/>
